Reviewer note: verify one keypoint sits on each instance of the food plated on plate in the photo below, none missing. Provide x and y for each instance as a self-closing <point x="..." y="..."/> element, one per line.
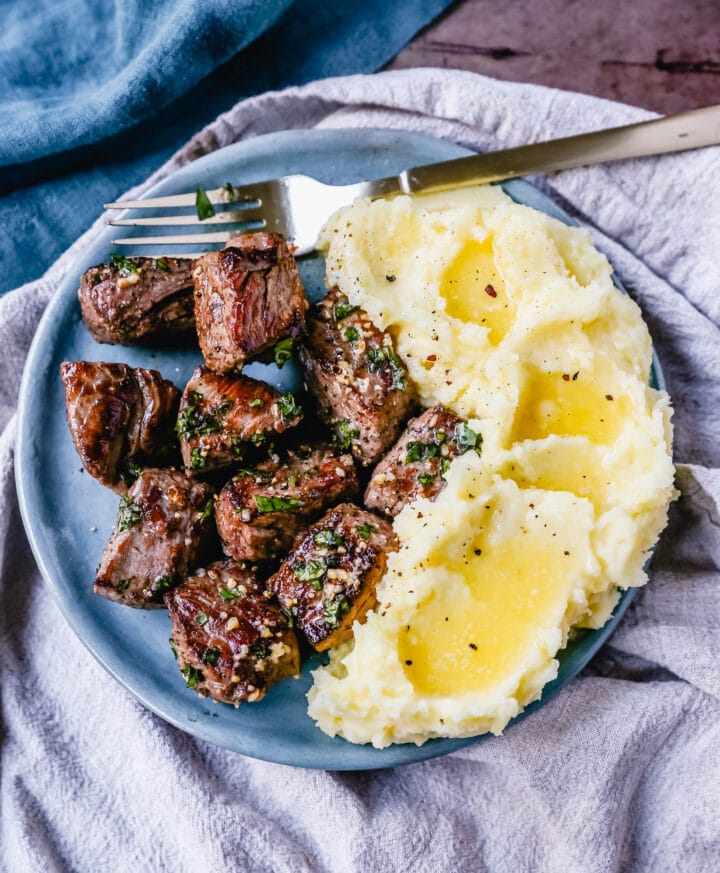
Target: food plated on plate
<point x="476" y="467"/>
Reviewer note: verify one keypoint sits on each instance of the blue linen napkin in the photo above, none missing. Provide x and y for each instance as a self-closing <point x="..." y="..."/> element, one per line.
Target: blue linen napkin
<point x="94" y="94"/>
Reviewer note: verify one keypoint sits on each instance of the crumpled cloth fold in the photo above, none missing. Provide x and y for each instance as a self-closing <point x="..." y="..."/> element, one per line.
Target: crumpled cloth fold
<point x="619" y="772"/>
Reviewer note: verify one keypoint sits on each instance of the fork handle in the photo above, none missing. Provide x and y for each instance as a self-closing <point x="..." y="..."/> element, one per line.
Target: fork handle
<point x="673" y="133"/>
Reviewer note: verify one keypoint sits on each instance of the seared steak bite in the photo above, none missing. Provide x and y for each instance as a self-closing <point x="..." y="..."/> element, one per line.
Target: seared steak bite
<point x="232" y="642"/>
<point x="360" y="384"/>
<point x="416" y="465"/>
<point x="328" y="580"/>
<point x="133" y="299"/>
<point x="261" y="510"/>
<point x="158" y="538"/>
<point x="248" y="297"/>
<point x="120" y="418"/>
<point x="223" y="418"/>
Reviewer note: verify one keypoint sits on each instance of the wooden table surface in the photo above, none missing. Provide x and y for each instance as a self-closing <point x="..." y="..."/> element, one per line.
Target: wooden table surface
<point x="659" y="54"/>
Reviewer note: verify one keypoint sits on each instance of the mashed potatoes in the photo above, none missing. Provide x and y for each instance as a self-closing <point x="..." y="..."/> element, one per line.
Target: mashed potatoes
<point x="510" y="319"/>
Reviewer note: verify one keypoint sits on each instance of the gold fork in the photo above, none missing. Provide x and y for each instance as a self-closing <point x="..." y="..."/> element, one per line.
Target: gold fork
<point x="298" y="206"/>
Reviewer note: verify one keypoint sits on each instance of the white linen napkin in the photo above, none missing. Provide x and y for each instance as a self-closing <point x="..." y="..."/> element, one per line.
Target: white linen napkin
<point x="620" y="772"/>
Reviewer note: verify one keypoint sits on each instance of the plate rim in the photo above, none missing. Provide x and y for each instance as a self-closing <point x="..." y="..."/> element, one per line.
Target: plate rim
<point x="82" y="624"/>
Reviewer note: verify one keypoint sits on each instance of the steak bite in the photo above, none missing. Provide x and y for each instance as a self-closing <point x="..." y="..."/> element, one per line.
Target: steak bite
<point x="158" y="538"/>
<point x="261" y="510"/>
<point x="361" y="386"/>
<point x="133" y="299"/>
<point x="232" y="642"/>
<point x="248" y="297"/>
<point x="329" y="579"/>
<point x="223" y="418"/>
<point x="416" y="465"/>
<point x="120" y="418"/>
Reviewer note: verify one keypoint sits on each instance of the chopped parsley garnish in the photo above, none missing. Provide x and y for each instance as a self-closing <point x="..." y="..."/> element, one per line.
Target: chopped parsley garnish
<point x="288" y="407"/>
<point x="207" y="509"/>
<point x="257" y="439"/>
<point x="444" y="466"/>
<point x="162" y="583"/>
<point x="229" y="192"/>
<point x="126" y="265"/>
<point x="192" y="675"/>
<point x="426" y="479"/>
<point x="201" y="619"/>
<point x="129" y="514"/>
<point x="284" y="351"/>
<point x="327" y="538"/>
<point x="197" y="459"/>
<point x="277" y="504"/>
<point x="211" y="655"/>
<point x="224" y="408"/>
<point x="237" y="447"/>
<point x="342" y="310"/>
<point x="130" y="472"/>
<point x="365" y="531"/>
<point x="229" y="593"/>
<point x="466" y="438"/>
<point x="378" y="357"/>
<point x="335" y="610"/>
<point x="417" y="451"/>
<point x="122" y="585"/>
<point x="346" y="433"/>
<point x="173" y="648"/>
<point x="289" y="615"/>
<point x="243" y="472"/>
<point x="204" y="207"/>
<point x="351" y="334"/>
<point x="162" y="264"/>
<point x="311" y="571"/>
<point x="255" y="403"/>
<point x="192" y="422"/>
<point x="259" y="650"/>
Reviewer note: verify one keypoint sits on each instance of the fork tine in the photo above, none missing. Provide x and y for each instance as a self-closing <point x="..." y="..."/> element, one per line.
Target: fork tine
<point x="181" y="239"/>
<point x="243" y="193"/>
<point x="244" y="217"/>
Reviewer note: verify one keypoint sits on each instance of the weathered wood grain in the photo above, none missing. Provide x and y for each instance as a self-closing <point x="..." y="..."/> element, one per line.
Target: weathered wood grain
<point x="659" y="54"/>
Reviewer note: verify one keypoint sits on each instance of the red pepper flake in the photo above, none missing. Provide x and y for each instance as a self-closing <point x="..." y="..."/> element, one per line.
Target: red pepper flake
<point x="490" y="291"/>
<point x="420" y="515"/>
<point x="566" y="377"/>
<point x="609" y="397"/>
<point x="431" y="358"/>
<point x="531" y="505"/>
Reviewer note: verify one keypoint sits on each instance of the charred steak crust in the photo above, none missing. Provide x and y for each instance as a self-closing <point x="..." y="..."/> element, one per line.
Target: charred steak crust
<point x="329" y="579"/>
<point x="247" y="297"/>
<point x="416" y="465"/>
<point x="224" y="418"/>
<point x="262" y="509"/>
<point x="360" y="384"/>
<point x="232" y="642"/>
<point x="158" y="538"/>
<point x="134" y="299"/>
<point x="120" y="418"/>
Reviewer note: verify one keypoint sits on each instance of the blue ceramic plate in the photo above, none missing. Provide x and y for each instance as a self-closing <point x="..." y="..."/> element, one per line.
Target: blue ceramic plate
<point x="68" y="515"/>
